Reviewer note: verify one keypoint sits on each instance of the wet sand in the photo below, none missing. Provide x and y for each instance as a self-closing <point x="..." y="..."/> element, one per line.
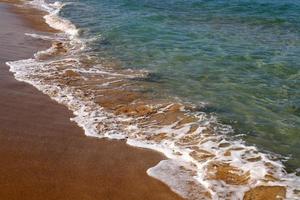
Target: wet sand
<point x="44" y="155"/>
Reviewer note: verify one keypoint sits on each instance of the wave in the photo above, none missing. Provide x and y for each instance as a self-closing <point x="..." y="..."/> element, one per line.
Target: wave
<point x="203" y="161"/>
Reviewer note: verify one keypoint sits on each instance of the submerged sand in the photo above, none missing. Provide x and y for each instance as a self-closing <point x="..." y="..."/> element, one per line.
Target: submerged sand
<point x="43" y="154"/>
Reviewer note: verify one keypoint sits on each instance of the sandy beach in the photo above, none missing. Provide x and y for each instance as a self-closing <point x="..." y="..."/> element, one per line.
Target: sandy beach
<point x="74" y="72"/>
<point x="43" y="154"/>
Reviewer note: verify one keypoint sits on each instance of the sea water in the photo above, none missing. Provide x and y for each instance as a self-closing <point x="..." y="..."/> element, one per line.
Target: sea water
<point x="236" y="61"/>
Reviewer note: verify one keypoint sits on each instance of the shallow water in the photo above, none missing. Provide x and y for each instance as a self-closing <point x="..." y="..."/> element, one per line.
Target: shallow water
<point x="239" y="57"/>
<point x="173" y="77"/>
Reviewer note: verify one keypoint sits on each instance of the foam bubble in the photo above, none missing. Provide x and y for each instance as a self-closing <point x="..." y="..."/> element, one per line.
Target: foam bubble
<point x="97" y="122"/>
<point x="180" y="178"/>
<point x="202" y="160"/>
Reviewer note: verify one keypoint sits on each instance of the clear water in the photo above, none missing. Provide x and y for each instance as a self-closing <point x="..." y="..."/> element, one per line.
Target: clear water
<point x="240" y="57"/>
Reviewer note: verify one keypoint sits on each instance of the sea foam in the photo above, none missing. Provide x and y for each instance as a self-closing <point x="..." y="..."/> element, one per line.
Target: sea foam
<point x="195" y="149"/>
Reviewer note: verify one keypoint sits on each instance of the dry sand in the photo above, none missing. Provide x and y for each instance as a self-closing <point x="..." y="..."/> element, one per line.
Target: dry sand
<point x="45" y="156"/>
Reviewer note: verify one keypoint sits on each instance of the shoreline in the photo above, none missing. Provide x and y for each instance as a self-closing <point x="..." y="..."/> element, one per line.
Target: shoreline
<point x="67" y="75"/>
<point x="45" y="155"/>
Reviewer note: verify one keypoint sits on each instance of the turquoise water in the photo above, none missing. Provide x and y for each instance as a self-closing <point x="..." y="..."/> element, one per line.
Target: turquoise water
<point x="239" y="57"/>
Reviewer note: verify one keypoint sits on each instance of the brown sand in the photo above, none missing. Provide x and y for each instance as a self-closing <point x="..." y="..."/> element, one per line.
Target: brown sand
<point x="45" y="156"/>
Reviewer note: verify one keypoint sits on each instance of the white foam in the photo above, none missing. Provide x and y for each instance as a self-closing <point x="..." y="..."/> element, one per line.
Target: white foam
<point x="42" y="37"/>
<point x="97" y="122"/>
<point x="59" y="23"/>
<point x="179" y="180"/>
<point x="89" y="116"/>
<point x="53" y="18"/>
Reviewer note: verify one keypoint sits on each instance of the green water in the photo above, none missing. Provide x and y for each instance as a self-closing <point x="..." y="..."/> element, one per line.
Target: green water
<point x="239" y="57"/>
